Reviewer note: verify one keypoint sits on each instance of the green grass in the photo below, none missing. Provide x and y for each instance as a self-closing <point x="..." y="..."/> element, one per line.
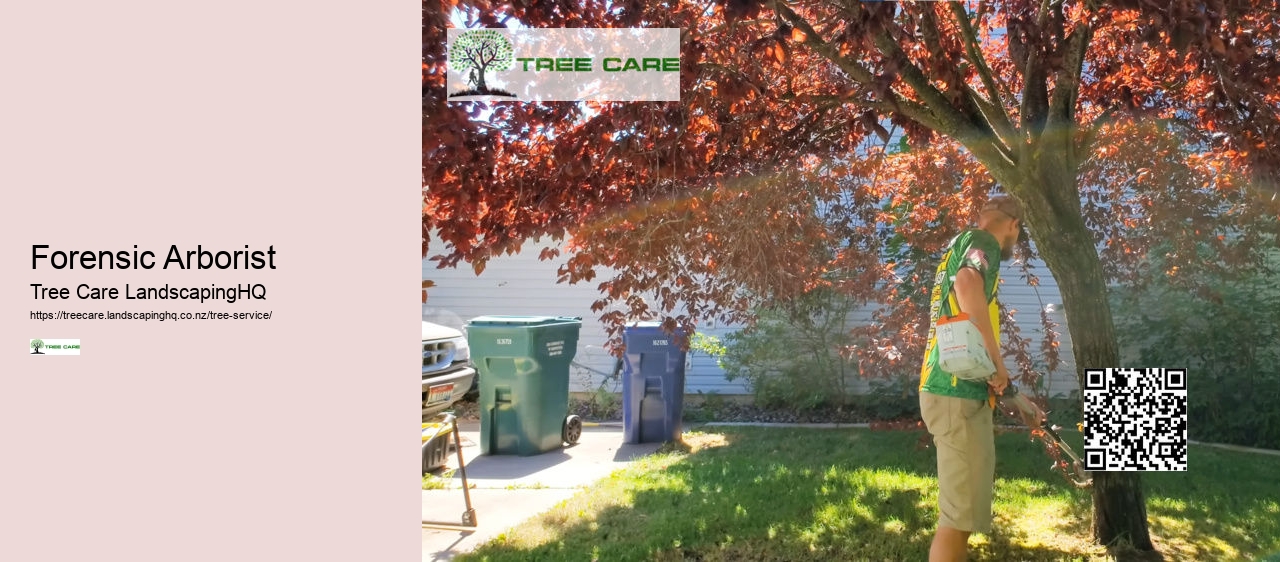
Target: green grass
<point x="756" y="494"/>
<point x="441" y="482"/>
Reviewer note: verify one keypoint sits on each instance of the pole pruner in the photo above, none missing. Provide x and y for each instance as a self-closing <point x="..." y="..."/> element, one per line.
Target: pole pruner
<point x="1017" y="403"/>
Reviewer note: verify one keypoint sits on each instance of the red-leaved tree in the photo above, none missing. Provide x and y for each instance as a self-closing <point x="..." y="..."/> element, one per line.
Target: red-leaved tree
<point x="1116" y="125"/>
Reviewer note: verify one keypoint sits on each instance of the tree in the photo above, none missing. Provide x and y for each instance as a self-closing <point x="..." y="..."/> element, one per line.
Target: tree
<point x="476" y="52"/>
<point x="37" y="345"/>
<point x="1172" y="108"/>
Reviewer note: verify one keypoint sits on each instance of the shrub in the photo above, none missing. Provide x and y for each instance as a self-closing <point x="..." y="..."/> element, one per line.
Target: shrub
<point x="600" y="405"/>
<point x="792" y="357"/>
<point x="1226" y="333"/>
<point x="891" y="399"/>
<point x="707" y="408"/>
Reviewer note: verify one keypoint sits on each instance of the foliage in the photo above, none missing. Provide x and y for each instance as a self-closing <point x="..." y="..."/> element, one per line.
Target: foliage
<point x="1227" y="336"/>
<point x="794" y="357"/>
<point x="707" y="408"/>
<point x="709" y="404"/>
<point x="805" y="84"/>
<point x="712" y="400"/>
<point x="708" y="344"/>
<point x="600" y="405"/>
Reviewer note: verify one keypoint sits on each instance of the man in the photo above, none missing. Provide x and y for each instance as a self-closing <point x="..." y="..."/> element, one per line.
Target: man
<point x="959" y="412"/>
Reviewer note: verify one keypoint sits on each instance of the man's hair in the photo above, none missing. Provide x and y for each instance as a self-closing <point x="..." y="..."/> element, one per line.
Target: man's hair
<point x="995" y="214"/>
<point x="1005" y="204"/>
<point x="992" y="216"/>
<point x="1000" y="208"/>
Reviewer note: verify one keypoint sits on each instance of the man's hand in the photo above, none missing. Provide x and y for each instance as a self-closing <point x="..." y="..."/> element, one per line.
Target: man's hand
<point x="1035" y="418"/>
<point x="1000" y="381"/>
<point x="1031" y="413"/>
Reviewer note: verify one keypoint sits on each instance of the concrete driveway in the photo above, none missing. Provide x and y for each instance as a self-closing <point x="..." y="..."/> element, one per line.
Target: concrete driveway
<point x="509" y="489"/>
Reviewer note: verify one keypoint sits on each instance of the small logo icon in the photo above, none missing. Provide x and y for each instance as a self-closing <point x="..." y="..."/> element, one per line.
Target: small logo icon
<point x="479" y="51"/>
<point x="54" y="347"/>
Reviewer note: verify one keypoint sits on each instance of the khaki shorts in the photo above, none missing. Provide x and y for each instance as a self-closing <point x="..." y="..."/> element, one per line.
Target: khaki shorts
<point x="963" y="433"/>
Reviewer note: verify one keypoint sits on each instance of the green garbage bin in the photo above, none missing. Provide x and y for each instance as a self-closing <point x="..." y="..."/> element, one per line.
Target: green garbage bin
<point x="524" y="382"/>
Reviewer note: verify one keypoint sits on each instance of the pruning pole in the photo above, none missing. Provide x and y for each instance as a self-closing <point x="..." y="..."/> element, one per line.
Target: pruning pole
<point x="468" y="516"/>
<point x="1031" y="412"/>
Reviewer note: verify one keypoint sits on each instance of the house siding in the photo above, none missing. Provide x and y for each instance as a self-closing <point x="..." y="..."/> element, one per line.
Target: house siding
<point x="1027" y="302"/>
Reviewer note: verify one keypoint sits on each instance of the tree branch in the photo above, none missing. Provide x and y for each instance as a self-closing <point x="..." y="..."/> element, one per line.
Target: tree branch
<point x="936" y="113"/>
<point x="979" y="110"/>
<point x="857" y="72"/>
<point x="1004" y="144"/>
<point x="1035" y="94"/>
<point x="970" y="129"/>
<point x="1067" y="85"/>
<point x="953" y="122"/>
<point x="993" y="108"/>
<point x="932" y="36"/>
<point x="1060" y="118"/>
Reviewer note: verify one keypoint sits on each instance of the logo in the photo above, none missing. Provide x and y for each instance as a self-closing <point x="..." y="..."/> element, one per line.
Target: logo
<point x="560" y="64"/>
<point x="476" y="53"/>
<point x="54" y="347"/>
<point x="977" y="257"/>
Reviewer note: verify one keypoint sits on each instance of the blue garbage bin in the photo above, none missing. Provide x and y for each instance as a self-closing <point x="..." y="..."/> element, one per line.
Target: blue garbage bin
<point x="653" y="385"/>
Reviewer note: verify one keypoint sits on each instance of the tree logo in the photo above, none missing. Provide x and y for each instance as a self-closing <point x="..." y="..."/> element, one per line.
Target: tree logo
<point x="477" y="52"/>
<point x="54" y="347"/>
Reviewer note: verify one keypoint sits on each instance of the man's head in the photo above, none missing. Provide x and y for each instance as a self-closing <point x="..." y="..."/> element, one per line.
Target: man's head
<point x="1002" y="217"/>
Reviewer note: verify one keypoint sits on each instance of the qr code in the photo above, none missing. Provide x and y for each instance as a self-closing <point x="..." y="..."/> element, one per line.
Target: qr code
<point x="1135" y="419"/>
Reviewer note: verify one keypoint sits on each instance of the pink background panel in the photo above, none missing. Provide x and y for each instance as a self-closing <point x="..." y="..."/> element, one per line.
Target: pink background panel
<point x="283" y="123"/>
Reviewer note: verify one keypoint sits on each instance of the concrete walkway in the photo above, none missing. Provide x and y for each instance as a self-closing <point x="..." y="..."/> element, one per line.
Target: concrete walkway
<point x="508" y="490"/>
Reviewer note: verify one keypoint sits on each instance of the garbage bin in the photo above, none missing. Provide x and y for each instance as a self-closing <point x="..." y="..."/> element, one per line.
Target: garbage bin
<point x="653" y="385"/>
<point x="524" y="382"/>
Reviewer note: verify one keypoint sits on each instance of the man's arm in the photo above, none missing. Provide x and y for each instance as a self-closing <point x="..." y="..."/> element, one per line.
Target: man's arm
<point x="971" y="296"/>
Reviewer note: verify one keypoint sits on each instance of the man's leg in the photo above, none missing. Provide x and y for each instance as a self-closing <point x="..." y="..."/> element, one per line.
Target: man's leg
<point x="960" y="472"/>
<point x="949" y="545"/>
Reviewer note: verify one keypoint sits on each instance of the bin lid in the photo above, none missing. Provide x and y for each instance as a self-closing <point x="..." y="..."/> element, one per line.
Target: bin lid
<point x="520" y="320"/>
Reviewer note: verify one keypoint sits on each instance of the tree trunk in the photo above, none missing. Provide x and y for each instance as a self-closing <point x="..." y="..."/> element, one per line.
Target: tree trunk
<point x="482" y="87"/>
<point x="1052" y="206"/>
<point x="1120" y="510"/>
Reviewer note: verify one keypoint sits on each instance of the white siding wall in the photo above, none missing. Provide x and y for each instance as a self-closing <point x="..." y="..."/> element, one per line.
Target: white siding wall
<point x="1027" y="302"/>
<point x="525" y="286"/>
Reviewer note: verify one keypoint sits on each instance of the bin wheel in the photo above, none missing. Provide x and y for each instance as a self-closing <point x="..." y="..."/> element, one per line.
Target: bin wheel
<point x="572" y="429"/>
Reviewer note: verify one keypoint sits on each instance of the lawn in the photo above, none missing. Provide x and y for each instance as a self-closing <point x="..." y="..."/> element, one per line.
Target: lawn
<point x="756" y="494"/>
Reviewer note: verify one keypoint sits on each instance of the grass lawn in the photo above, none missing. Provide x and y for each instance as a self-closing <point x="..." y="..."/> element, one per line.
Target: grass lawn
<point x="755" y="494"/>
